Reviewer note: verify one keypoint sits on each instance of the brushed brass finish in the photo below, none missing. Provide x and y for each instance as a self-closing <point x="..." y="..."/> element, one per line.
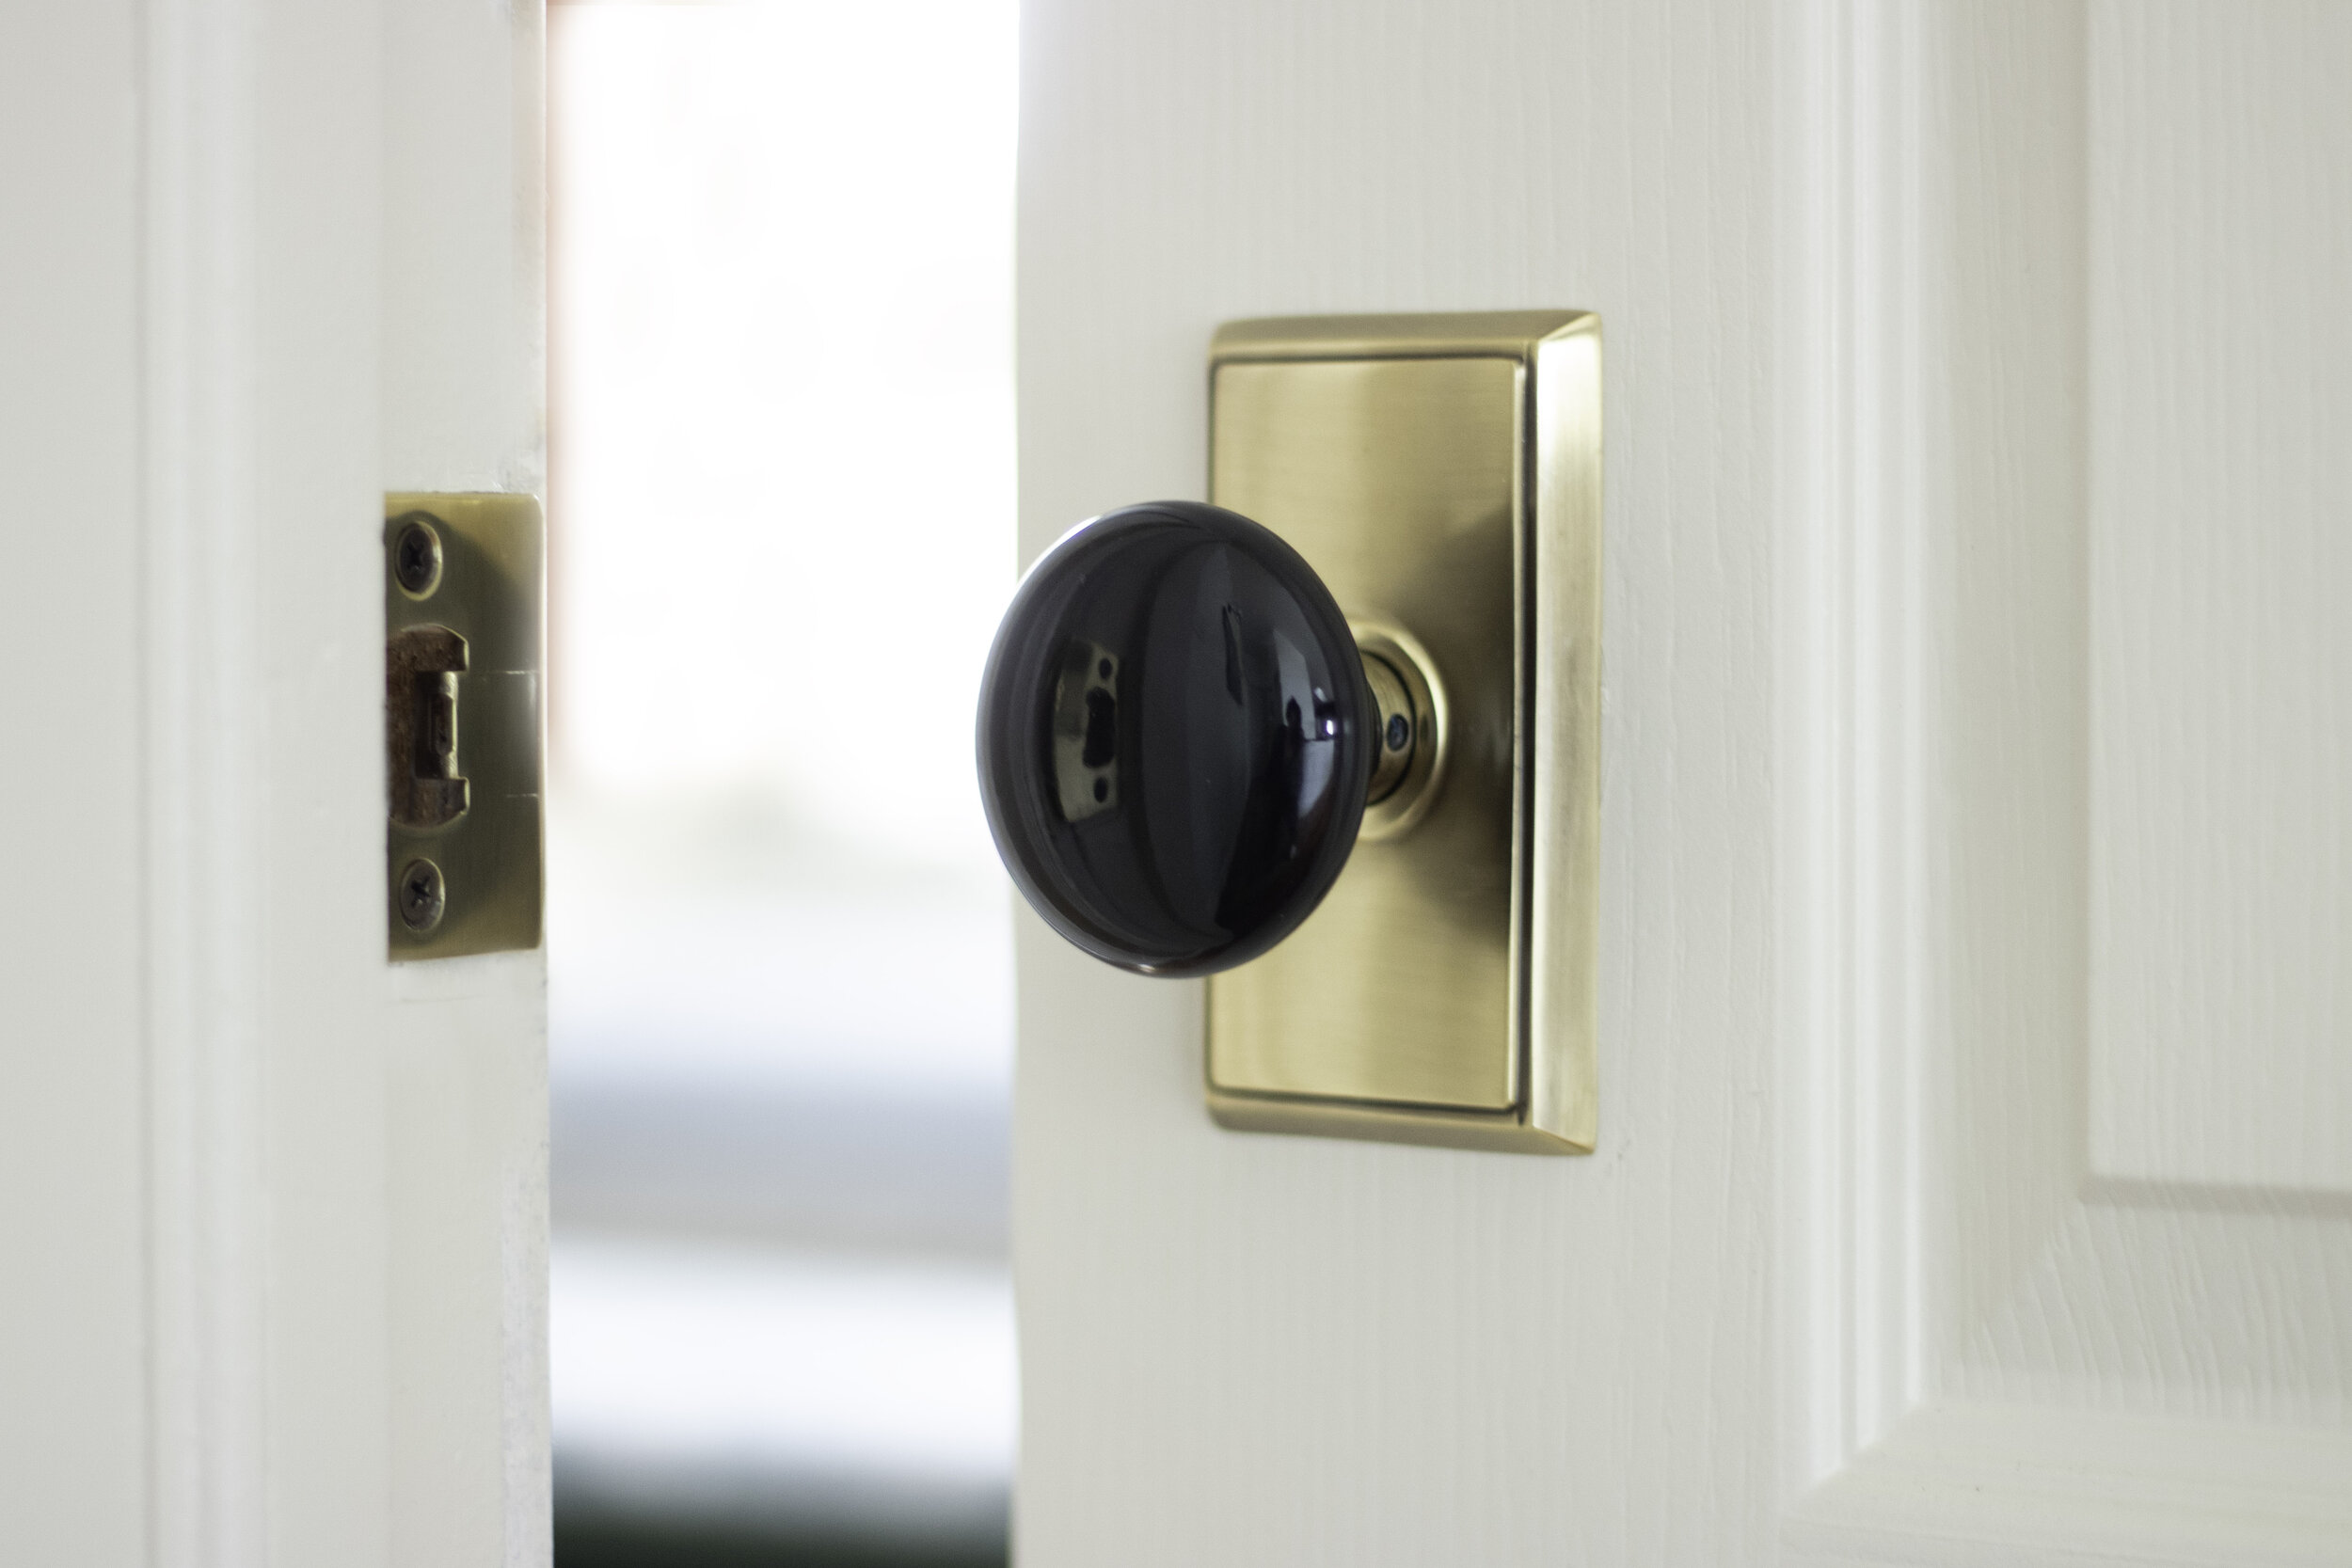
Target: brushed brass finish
<point x="1562" y="692"/>
<point x="463" y="835"/>
<point x="1442" y="473"/>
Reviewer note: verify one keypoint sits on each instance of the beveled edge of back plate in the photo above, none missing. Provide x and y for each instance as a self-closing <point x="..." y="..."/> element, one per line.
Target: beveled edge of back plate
<point x="1559" y="750"/>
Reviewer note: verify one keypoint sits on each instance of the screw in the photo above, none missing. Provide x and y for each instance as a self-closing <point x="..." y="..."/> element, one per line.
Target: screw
<point x="421" y="895"/>
<point x="1399" y="732"/>
<point x="417" y="558"/>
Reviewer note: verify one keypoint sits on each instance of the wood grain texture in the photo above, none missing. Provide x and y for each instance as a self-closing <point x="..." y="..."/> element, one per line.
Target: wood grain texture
<point x="2221" y="551"/>
<point x="1247" y="1349"/>
<point x="1964" y="1485"/>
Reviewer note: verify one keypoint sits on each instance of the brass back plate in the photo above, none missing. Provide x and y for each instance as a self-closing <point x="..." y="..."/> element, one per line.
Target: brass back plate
<point x="1443" y="474"/>
<point x="488" y="589"/>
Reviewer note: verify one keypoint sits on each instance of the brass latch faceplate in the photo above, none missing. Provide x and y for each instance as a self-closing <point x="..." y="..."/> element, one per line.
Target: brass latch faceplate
<point x="464" y="587"/>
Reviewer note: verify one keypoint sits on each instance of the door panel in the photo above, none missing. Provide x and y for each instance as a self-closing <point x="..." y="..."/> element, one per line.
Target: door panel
<point x="2221" y="649"/>
<point x="1259" y="1349"/>
<point x="1970" y="1185"/>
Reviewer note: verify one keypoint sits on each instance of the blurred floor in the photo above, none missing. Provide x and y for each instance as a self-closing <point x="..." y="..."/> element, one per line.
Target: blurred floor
<point x="781" y="1322"/>
<point x="589" y="1541"/>
<point x="720" y="1403"/>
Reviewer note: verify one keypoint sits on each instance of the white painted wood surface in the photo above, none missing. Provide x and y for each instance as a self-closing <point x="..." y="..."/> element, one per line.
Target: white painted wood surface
<point x="2221" y="553"/>
<point x="1243" y="1349"/>
<point x="72" y="1314"/>
<point x="1923" y="1228"/>
<point x="272" y="1211"/>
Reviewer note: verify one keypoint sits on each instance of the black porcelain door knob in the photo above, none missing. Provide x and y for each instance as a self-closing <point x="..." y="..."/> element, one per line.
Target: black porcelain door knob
<point x="1177" y="736"/>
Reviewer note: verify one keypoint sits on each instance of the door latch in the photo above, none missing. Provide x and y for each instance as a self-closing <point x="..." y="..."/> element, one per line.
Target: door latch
<point x="464" y="834"/>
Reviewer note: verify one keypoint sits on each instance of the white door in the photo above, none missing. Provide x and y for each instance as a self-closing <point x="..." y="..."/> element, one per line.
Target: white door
<point x="271" y="1210"/>
<point x="1974" y="1173"/>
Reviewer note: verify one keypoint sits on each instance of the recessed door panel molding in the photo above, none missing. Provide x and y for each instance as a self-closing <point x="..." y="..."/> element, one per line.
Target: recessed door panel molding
<point x="2042" y="1315"/>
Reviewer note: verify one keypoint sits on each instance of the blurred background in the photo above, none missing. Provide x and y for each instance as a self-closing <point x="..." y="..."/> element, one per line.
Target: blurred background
<point x="778" y="943"/>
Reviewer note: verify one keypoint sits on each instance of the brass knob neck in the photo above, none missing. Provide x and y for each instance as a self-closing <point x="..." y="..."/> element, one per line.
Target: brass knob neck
<point x="1395" y="729"/>
<point x="1409" y="749"/>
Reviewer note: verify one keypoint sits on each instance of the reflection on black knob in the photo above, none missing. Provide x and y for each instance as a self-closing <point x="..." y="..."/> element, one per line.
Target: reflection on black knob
<point x="1175" y="738"/>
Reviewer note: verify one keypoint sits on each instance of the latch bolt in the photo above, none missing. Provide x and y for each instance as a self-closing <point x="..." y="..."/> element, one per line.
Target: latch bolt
<point x="420" y="669"/>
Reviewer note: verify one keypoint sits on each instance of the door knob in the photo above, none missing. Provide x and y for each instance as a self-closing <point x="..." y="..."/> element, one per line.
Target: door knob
<point x="1333" y="741"/>
<point x="1179" y="733"/>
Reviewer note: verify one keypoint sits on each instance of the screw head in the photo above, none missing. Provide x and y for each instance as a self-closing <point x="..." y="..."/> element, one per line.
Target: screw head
<point x="1399" y="732"/>
<point x="421" y="895"/>
<point x="416" y="558"/>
